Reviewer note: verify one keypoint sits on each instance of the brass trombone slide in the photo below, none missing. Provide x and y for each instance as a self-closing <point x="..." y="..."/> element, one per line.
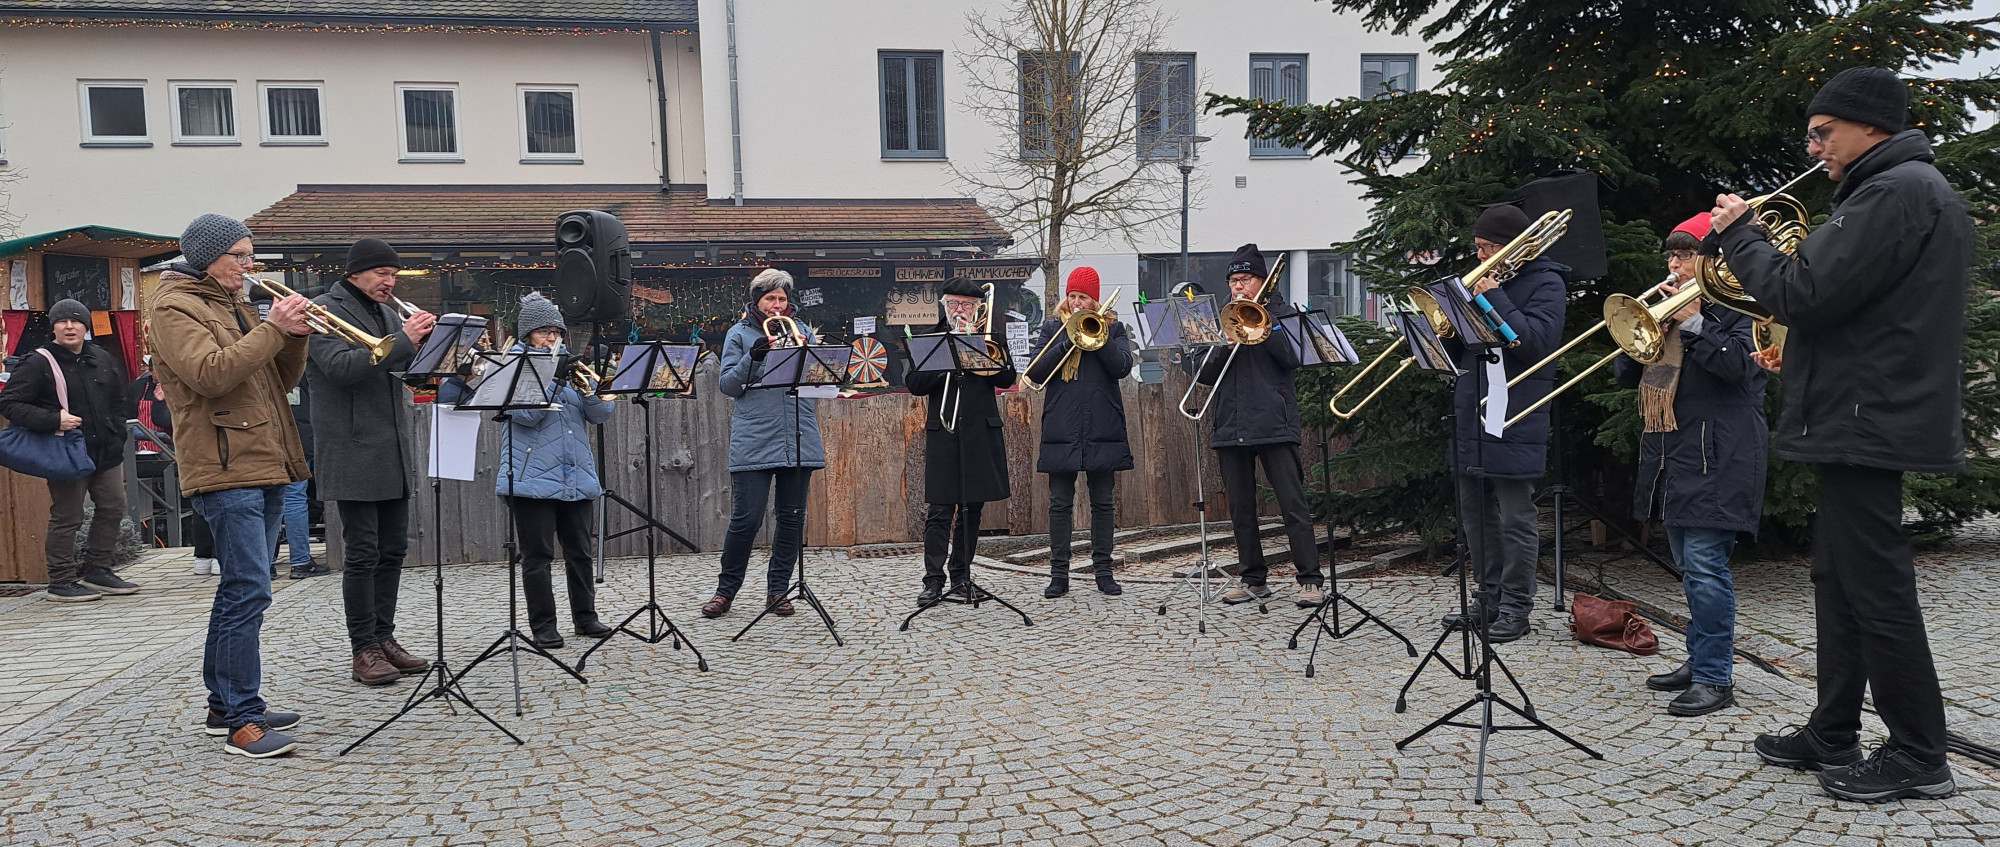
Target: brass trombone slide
<point x="1638" y="329"/>
<point x="1243" y="322"/>
<point x="325" y="322"/>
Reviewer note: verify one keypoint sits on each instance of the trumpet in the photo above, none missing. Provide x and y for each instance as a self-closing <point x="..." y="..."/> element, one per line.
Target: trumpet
<point x="1088" y="329"/>
<point x="1243" y="322"/>
<point x="323" y="321"/>
<point x="404" y="308"/>
<point x="586" y="381"/>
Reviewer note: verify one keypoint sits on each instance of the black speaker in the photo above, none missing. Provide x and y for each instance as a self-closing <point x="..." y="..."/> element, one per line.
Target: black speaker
<point x="1582" y="248"/>
<point x="593" y="267"/>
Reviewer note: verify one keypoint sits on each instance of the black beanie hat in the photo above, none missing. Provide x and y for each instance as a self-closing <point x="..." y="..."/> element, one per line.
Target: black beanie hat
<point x="371" y="253"/>
<point x="1500" y="223"/>
<point x="963" y="287"/>
<point x="1872" y="96"/>
<point x="1247" y="260"/>
<point x="68" y="309"/>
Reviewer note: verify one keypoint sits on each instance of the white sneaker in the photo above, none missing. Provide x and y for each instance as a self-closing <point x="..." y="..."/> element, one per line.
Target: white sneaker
<point x="207" y="567"/>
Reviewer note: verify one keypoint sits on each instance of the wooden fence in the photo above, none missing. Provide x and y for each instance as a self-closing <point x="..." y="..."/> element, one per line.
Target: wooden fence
<point x="870" y="492"/>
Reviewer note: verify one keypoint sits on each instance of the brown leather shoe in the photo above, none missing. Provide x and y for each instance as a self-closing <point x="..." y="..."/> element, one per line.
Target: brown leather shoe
<point x="716" y="607"/>
<point x="373" y="668"/>
<point x="779" y="605"/>
<point x="401" y="658"/>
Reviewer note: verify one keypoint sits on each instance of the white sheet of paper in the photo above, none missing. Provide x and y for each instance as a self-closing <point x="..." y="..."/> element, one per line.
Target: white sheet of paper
<point x="1495" y="420"/>
<point x="127" y="289"/>
<point x="819" y="392"/>
<point x="454" y="443"/>
<point x="864" y="325"/>
<point x="17" y="284"/>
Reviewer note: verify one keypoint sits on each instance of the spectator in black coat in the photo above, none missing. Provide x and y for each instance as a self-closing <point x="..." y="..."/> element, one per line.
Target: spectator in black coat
<point x="1083" y="429"/>
<point x="1504" y="546"/>
<point x="965" y="465"/>
<point x="1701" y="468"/>
<point x="1875" y="303"/>
<point x="1255" y="412"/>
<point x="95" y="382"/>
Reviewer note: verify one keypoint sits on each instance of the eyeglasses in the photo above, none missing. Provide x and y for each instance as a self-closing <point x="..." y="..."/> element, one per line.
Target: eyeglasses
<point x="1682" y="255"/>
<point x="243" y="258"/>
<point x="1818" y="134"/>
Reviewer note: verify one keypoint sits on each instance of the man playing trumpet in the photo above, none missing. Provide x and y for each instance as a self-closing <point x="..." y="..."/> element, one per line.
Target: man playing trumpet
<point x="358" y="408"/>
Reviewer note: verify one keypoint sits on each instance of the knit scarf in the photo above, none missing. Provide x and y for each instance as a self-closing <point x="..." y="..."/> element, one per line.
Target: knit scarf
<point x="1660" y="380"/>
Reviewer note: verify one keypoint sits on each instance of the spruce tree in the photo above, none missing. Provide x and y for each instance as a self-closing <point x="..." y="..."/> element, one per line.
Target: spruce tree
<point x="1670" y="103"/>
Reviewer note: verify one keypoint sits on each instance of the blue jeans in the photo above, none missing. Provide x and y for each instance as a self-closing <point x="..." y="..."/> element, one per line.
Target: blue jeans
<point x="298" y="522"/>
<point x="750" y="490"/>
<point x="245" y="524"/>
<point x="1703" y="557"/>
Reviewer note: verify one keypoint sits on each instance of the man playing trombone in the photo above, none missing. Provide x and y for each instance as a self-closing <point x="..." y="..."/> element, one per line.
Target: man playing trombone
<point x="1257" y="420"/>
<point x="965" y="447"/>
<point x="1875" y="302"/>
<point x="1701" y="468"/>
<point x="1504" y="546"/>
<point x="358" y="409"/>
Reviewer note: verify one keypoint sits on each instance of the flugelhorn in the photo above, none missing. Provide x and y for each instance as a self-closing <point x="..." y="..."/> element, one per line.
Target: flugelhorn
<point x="1088" y="329"/>
<point x="1243" y="322"/>
<point x="783" y="332"/>
<point x="323" y="321"/>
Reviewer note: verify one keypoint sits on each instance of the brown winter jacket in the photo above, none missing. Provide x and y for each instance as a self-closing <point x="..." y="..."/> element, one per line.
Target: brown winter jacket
<point x="225" y="387"/>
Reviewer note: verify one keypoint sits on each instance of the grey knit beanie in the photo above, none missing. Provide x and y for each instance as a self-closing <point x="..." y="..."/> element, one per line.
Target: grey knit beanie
<point x="536" y="313"/>
<point x="69" y="310"/>
<point x="210" y="236"/>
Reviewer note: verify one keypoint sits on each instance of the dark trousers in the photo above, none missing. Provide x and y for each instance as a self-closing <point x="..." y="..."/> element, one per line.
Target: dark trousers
<point x="1103" y="518"/>
<point x="750" y="490"/>
<point x="202" y="539"/>
<point x="107" y="492"/>
<point x="540" y="523"/>
<point x="1505" y="547"/>
<point x="374" y="536"/>
<point x="1287" y="478"/>
<point x="1871" y="628"/>
<point x="941" y="534"/>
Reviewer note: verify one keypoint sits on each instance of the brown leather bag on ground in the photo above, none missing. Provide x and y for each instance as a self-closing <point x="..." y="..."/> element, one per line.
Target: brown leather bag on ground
<point x="1611" y="623"/>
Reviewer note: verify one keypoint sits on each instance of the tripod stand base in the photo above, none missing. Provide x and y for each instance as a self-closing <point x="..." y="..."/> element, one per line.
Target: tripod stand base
<point x="974" y="595"/>
<point x="659" y="628"/>
<point x="513" y="643"/>
<point x="1334" y="630"/>
<point x="802" y="592"/>
<point x="1485" y="700"/>
<point x="446" y="689"/>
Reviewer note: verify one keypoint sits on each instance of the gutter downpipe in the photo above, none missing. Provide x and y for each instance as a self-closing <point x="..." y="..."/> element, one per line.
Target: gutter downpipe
<point x="735" y="113"/>
<point x="660" y="84"/>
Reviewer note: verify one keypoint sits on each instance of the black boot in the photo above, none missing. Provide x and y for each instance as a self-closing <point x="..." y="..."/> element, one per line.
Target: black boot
<point x="538" y="595"/>
<point x="1676" y="680"/>
<point x="1701" y="699"/>
<point x="1105" y="584"/>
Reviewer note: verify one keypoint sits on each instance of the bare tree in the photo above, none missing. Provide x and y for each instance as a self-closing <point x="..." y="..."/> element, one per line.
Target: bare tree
<point x="1062" y="80"/>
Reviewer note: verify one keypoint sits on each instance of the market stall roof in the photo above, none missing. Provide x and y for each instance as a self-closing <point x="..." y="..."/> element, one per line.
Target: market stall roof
<point x="522" y="218"/>
<point x="601" y="14"/>
<point x="102" y="241"/>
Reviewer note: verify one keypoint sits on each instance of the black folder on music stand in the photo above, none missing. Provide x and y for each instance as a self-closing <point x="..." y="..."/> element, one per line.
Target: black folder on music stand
<point x="1317" y="341"/>
<point x="1427" y="351"/>
<point x="1456" y="300"/>
<point x="454" y="339"/>
<point x="655" y="367"/>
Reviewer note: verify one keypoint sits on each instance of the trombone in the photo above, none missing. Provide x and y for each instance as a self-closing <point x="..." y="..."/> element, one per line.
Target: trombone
<point x="1242" y="322"/>
<point x="1503" y="265"/>
<point x="1638" y="328"/>
<point x="1440" y="325"/>
<point x="1088" y="329"/>
<point x="323" y="321"/>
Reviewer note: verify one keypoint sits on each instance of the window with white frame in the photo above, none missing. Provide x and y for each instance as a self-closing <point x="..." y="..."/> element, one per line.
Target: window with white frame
<point x="1383" y="74"/>
<point x="429" y="115"/>
<point x="548" y="124"/>
<point x="1165" y="88"/>
<point x="293" y="112"/>
<point x="204" y="112"/>
<point x="1277" y="78"/>
<point x="912" y="101"/>
<point x="114" y="113"/>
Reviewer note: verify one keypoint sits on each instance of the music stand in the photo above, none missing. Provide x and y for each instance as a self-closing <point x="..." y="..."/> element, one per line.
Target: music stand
<point x="1187" y="324"/>
<point x="1320" y="344"/>
<point x="519" y="381"/>
<point x="663" y="369"/>
<point x="951" y="353"/>
<point x="449" y="343"/>
<point x="792" y="368"/>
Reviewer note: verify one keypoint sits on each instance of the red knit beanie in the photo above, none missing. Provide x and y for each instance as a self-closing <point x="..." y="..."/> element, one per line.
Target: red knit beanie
<point x="1696" y="226"/>
<point x="1083" y="279"/>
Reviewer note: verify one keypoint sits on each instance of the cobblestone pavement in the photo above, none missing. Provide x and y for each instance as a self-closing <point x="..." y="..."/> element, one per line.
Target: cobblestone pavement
<point x="1102" y="724"/>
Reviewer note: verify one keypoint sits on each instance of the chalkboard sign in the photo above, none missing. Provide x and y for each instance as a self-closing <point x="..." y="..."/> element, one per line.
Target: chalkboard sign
<point x="84" y="279"/>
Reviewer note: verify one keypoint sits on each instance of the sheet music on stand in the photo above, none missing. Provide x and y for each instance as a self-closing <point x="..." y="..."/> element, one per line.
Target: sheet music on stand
<point x="950" y="351"/>
<point x="516" y="381"/>
<point x="655" y="366"/>
<point x="454" y="339"/>
<point x="1428" y="351"/>
<point x="1456" y="300"/>
<point x="1316" y="340"/>
<point x="816" y="370"/>
<point x="1180" y="322"/>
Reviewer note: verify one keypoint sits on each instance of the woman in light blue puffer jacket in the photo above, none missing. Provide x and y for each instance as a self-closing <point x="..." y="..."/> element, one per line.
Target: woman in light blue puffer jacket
<point x="554" y="485"/>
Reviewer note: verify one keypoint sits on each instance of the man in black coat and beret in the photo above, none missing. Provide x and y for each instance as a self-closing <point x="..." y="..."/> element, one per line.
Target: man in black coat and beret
<point x="358" y="421"/>
<point x="1496" y="474"/>
<point x="965" y="450"/>
<point x="1256" y="409"/>
<point x="1875" y="303"/>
